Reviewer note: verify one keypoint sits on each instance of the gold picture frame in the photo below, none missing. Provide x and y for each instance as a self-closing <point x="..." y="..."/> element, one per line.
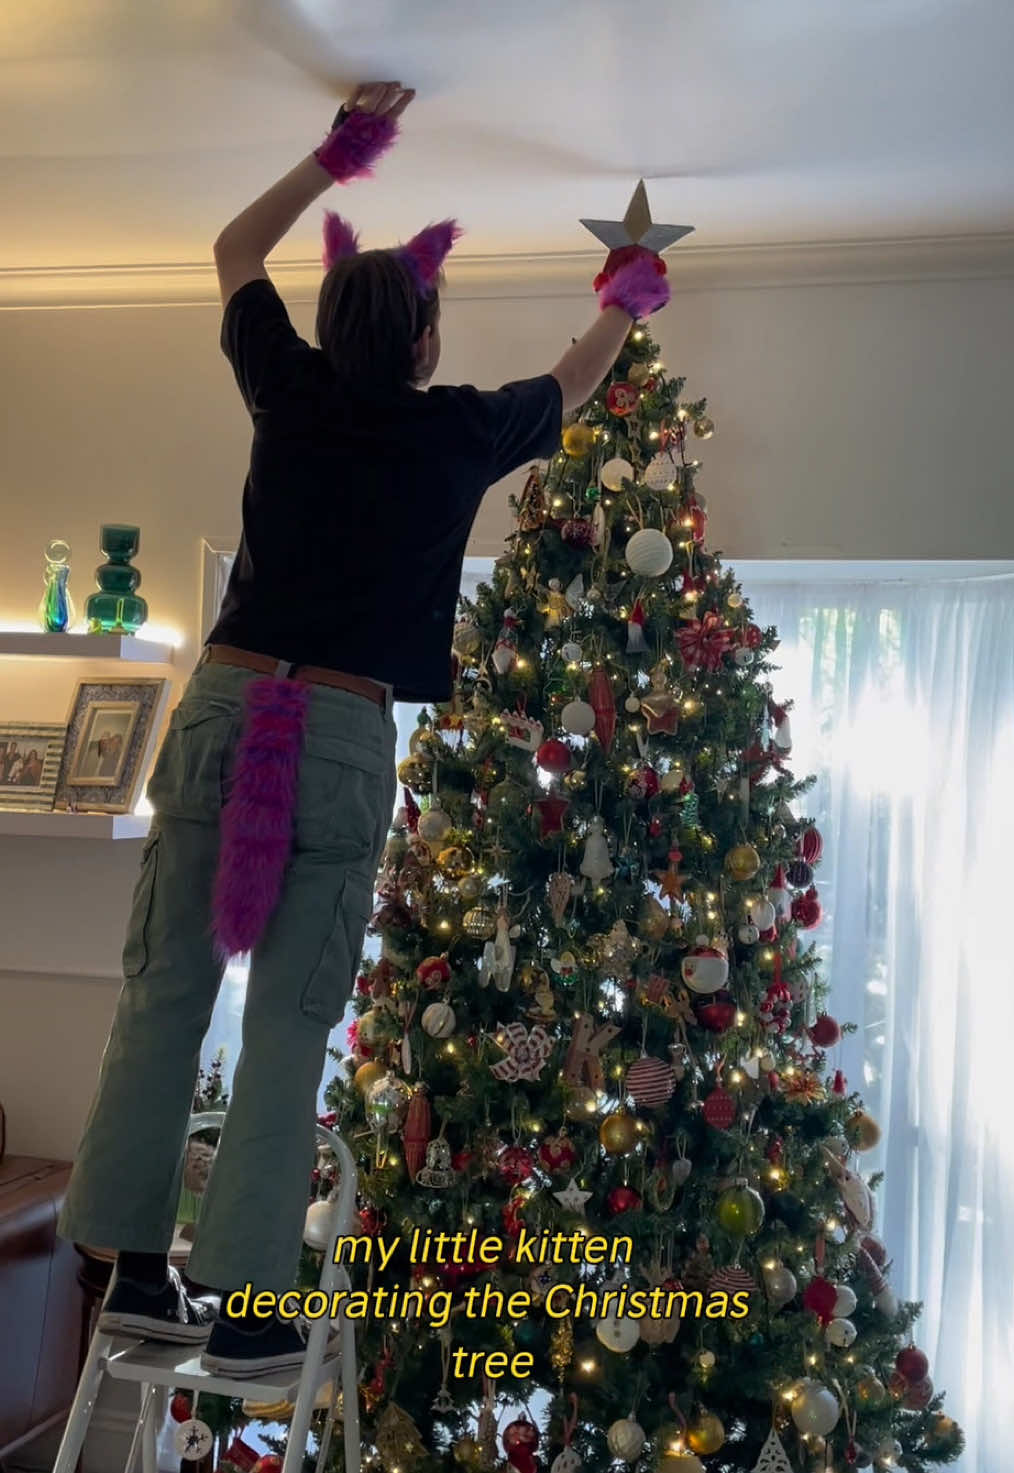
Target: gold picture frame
<point x="110" y="739"/>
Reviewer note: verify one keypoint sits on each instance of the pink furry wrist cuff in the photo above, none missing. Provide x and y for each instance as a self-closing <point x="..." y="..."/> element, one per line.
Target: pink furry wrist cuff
<point x="638" y="288"/>
<point x="351" y="150"/>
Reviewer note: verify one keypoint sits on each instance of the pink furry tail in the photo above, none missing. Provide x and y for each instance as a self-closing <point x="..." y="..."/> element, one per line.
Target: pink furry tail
<point x="351" y="150"/>
<point x="638" y="286"/>
<point x="259" y="816"/>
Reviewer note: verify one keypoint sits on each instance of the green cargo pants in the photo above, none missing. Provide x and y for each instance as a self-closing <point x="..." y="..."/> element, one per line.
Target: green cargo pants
<point x="126" y="1181"/>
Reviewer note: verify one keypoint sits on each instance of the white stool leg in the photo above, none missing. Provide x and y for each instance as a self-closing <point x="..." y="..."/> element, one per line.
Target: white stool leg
<point x="149" y="1430"/>
<point x="83" y="1405"/>
<point x="350" y="1397"/>
<point x="299" y="1431"/>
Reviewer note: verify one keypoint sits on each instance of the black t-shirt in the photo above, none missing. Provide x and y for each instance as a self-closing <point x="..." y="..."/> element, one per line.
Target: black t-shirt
<point x="357" y="512"/>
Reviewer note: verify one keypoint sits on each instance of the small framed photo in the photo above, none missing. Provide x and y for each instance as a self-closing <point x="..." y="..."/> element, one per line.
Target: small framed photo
<point x="29" y="764"/>
<point x="110" y="736"/>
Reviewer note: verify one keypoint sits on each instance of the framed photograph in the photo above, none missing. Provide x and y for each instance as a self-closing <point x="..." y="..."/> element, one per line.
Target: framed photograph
<point x="110" y="736"/>
<point x="29" y="764"/>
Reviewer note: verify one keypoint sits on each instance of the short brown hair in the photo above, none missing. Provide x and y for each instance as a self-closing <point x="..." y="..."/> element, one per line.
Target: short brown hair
<point x="369" y="318"/>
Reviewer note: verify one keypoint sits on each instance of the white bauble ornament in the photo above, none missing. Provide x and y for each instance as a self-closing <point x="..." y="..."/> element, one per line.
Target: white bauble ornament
<point x="760" y="913"/>
<point x="742" y="656"/>
<point x="779" y="1285"/>
<point x="193" y="1440"/>
<point x="626" y="1439"/>
<point x="815" y="1410"/>
<point x="888" y="1452"/>
<point x="649" y="553"/>
<point x="704" y="969"/>
<point x="438" y="1020"/>
<point x="619" y="1335"/>
<point x="318" y="1225"/>
<point x="841" y="1333"/>
<point x="845" y="1303"/>
<point x="748" y="935"/>
<point x="660" y="472"/>
<point x="566" y="1462"/>
<point x="571" y="652"/>
<point x="577" y="718"/>
<point x="615" y="472"/>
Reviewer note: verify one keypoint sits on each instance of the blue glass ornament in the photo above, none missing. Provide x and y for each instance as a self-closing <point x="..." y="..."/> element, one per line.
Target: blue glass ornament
<point x="56" y="611"/>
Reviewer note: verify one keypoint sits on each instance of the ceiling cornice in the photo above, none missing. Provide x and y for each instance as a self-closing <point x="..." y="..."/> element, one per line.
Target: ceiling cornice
<point x="692" y="268"/>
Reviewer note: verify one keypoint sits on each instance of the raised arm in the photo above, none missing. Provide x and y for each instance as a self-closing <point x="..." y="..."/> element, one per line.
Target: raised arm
<point x="365" y="127"/>
<point x="631" y="288"/>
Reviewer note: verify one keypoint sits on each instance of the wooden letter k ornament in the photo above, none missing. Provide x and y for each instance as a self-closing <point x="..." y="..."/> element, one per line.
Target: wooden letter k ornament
<point x="583" y="1064"/>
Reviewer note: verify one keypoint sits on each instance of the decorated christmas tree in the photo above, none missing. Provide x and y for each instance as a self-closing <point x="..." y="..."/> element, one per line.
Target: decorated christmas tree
<point x="596" y="1019"/>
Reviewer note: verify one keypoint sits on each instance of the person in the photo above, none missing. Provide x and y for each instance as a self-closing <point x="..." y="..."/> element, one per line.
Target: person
<point x="110" y="747"/>
<point x="11" y="756"/>
<point x="274" y="788"/>
<point x="31" y="773"/>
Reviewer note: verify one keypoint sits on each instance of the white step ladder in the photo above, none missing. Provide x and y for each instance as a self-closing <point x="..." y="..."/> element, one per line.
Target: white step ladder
<point x="158" y="1368"/>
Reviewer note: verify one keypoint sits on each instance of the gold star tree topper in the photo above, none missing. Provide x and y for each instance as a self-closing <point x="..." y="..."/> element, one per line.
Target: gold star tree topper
<point x="637" y="227"/>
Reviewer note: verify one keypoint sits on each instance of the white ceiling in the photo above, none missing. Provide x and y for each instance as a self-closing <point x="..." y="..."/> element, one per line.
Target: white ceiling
<point x="131" y="130"/>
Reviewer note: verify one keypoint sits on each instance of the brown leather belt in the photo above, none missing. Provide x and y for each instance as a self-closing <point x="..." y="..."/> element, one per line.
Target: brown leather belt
<point x="226" y="654"/>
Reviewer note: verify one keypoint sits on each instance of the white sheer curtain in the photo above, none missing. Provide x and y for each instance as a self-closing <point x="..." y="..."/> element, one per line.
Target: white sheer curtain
<point x="905" y="711"/>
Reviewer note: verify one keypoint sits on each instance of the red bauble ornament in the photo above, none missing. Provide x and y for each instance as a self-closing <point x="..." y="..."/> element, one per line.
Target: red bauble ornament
<point x="919" y="1395"/>
<point x="520" y="1439"/>
<point x="515" y="1165"/>
<point x="825" y="1032"/>
<point x="461" y="1161"/>
<point x="752" y="636"/>
<point x="554" y="756"/>
<point x="820" y="1296"/>
<point x="370" y="1221"/>
<point x="179" y="1408"/>
<point x="603" y="702"/>
<point x="650" y="1082"/>
<point x="557" y="1153"/>
<point x="269" y="1463"/>
<point x="912" y="1364"/>
<point x="806" y="910"/>
<point x="655" y="828"/>
<point x="719" y="1109"/>
<point x="621" y="399"/>
<point x="642" y="783"/>
<point x="622" y="1199"/>
<point x="578" y="533"/>
<point x="810" y="846"/>
<point x="434" y="972"/>
<point x="717" y="1014"/>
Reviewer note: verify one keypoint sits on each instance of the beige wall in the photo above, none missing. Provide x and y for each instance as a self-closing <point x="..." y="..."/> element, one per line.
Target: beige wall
<point x="862" y="408"/>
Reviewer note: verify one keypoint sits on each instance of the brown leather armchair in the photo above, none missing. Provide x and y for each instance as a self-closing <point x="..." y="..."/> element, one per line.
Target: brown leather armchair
<point x="41" y="1301"/>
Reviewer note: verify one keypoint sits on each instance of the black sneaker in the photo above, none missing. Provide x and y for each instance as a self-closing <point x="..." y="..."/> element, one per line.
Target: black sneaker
<point x="277" y="1345"/>
<point x="167" y="1313"/>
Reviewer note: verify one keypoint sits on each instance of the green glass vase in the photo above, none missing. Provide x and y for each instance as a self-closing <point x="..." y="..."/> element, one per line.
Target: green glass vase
<point x="117" y="608"/>
<point x="56" y="611"/>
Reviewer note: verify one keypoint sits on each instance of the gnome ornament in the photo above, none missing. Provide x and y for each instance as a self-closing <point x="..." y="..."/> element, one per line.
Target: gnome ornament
<point x="635" y="630"/>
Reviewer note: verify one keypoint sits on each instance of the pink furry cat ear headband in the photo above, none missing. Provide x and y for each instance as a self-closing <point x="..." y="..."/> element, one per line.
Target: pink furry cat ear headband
<point x="424" y="254"/>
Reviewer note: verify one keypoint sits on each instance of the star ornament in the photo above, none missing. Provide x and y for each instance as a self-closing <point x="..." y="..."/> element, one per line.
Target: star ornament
<point x="637" y="227"/>
<point x="572" y="1199"/>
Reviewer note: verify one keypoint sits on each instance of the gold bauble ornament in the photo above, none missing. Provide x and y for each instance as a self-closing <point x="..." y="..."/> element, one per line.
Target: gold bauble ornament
<point x="704" y="427"/>
<point x="652" y="920"/>
<point x="742" y="862"/>
<point x="433" y="826"/>
<point x="862" y="1131"/>
<point x="576" y="781"/>
<point x="466" y="1452"/>
<point x="582" y="1103"/>
<point x="470" y="887"/>
<point x="639" y="374"/>
<point x="618" y="1133"/>
<point x="578" y="440"/>
<point x="705" y="1433"/>
<point x="455" y="862"/>
<point x="416" y="772"/>
<point x="479" y="923"/>
<point x="368" y="1074"/>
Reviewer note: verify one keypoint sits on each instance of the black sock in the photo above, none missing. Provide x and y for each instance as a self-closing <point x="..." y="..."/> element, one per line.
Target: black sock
<point x="149" y="1269"/>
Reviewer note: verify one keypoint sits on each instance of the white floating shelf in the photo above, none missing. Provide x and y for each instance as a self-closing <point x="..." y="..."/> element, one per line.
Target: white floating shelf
<point x="85" y="646"/>
<point x="73" y="825"/>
